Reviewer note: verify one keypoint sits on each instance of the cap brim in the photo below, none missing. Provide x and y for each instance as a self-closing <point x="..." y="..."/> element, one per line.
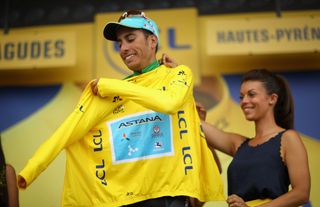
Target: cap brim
<point x="110" y="29"/>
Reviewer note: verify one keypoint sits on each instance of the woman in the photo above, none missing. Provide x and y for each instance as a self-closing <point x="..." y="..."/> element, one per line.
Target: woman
<point x="8" y="183"/>
<point x="264" y="166"/>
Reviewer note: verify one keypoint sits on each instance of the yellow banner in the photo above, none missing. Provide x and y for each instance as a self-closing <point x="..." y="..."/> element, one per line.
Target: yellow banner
<point x="37" y="50"/>
<point x="263" y="35"/>
<point x="178" y="35"/>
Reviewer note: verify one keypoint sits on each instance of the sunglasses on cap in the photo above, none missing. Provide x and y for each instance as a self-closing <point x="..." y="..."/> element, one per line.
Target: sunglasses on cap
<point x="132" y="19"/>
<point x="132" y="13"/>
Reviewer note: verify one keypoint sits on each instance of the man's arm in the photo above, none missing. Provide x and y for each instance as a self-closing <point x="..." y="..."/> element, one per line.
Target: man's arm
<point x="165" y="101"/>
<point x="80" y="121"/>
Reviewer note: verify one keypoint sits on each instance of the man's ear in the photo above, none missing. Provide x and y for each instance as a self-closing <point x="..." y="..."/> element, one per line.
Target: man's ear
<point x="154" y="41"/>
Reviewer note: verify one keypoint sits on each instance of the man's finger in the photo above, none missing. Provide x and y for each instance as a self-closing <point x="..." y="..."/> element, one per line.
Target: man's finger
<point x="94" y="87"/>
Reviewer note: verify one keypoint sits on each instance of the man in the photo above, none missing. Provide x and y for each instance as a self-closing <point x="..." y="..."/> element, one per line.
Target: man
<point x="137" y="142"/>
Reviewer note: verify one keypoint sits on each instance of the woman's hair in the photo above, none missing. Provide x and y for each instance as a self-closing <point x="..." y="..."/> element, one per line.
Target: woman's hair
<point x="3" y="180"/>
<point x="273" y="83"/>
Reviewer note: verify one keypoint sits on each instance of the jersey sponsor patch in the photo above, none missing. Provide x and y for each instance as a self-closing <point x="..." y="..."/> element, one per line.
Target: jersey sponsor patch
<point x="141" y="136"/>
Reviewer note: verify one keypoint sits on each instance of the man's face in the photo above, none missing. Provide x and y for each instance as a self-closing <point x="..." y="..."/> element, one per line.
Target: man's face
<point x="136" y="50"/>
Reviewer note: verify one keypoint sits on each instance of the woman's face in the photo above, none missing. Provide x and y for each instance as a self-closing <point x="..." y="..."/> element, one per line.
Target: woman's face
<point x="255" y="101"/>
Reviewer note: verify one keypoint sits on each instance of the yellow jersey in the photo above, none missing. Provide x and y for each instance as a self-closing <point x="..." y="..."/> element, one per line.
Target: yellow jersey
<point x="142" y="141"/>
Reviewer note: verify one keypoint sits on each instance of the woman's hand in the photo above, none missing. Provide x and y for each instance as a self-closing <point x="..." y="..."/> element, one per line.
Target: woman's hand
<point x="168" y="61"/>
<point x="201" y="111"/>
<point x="236" y="201"/>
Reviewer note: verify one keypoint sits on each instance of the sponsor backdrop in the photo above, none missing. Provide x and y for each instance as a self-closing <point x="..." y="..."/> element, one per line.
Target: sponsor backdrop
<point x="39" y="68"/>
<point x="263" y="36"/>
<point x="38" y="50"/>
<point x="235" y="43"/>
<point x="46" y="55"/>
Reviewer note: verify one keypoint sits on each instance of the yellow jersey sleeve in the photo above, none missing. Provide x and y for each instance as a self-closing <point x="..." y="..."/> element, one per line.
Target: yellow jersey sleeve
<point x="166" y="100"/>
<point x="78" y="123"/>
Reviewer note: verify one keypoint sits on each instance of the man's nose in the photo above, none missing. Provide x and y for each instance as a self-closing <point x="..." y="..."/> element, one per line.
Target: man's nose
<point x="124" y="47"/>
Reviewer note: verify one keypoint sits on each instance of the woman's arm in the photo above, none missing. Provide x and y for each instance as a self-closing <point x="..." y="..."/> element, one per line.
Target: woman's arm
<point x="13" y="193"/>
<point x="202" y="112"/>
<point x="216" y="158"/>
<point x="223" y="141"/>
<point x="218" y="139"/>
<point x="296" y="159"/>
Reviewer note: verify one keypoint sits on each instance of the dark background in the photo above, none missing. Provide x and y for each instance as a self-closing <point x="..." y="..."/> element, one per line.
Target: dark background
<point x="22" y="13"/>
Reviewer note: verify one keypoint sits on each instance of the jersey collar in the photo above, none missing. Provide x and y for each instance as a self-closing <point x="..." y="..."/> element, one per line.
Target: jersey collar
<point x="149" y="68"/>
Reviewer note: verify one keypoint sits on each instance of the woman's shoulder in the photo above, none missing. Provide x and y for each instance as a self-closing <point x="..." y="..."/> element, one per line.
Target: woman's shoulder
<point x="290" y="134"/>
<point x="291" y="138"/>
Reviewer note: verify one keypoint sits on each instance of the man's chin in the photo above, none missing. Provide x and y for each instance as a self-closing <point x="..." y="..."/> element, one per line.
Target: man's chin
<point x="130" y="66"/>
<point x="133" y="67"/>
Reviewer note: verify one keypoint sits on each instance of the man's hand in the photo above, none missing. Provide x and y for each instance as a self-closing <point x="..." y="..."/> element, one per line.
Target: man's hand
<point x="22" y="182"/>
<point x="94" y="87"/>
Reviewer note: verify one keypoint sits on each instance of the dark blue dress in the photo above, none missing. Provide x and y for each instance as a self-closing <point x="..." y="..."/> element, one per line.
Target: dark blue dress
<point x="258" y="172"/>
